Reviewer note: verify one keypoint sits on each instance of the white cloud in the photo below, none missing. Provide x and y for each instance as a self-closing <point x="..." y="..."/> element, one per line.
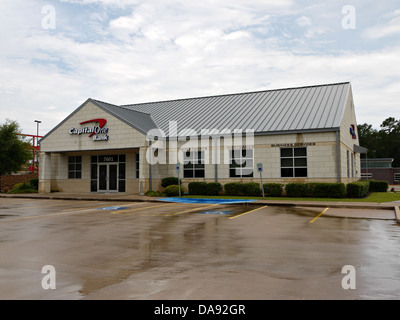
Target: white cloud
<point x="157" y="50"/>
<point x="303" y="21"/>
<point x="385" y="29"/>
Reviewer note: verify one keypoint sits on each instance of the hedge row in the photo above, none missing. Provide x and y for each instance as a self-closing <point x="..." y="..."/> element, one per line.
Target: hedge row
<point x="378" y="186"/>
<point x="235" y="189"/>
<point x="357" y="189"/>
<point x="204" y="188"/>
<point x="316" y="190"/>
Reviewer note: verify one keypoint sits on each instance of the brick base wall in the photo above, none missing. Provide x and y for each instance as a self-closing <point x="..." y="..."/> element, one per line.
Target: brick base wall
<point x="7" y="182"/>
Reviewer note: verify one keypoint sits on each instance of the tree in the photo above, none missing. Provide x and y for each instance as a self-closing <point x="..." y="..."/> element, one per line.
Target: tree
<point x="386" y="141"/>
<point x="14" y="151"/>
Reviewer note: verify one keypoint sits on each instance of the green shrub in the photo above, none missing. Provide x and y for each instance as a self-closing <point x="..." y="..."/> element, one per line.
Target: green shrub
<point x="357" y="189"/>
<point x="34" y="183"/>
<point x="252" y="189"/>
<point x="16" y="191"/>
<point x="327" y="190"/>
<point x="173" y="191"/>
<point x="22" y="186"/>
<point x="296" y="190"/>
<point x="378" y="186"/>
<point x="233" y="189"/>
<point x="151" y="193"/>
<point x="273" y="189"/>
<point x="311" y="188"/>
<point x="213" y="188"/>
<point x="169" y="181"/>
<point x="197" y="188"/>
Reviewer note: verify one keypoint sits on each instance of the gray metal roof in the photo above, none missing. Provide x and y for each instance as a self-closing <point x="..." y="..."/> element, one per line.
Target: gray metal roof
<point x="313" y="108"/>
<point x="141" y="121"/>
<point x="318" y="107"/>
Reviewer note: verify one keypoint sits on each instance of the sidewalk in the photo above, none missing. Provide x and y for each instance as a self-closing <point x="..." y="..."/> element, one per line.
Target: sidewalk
<point x="130" y="197"/>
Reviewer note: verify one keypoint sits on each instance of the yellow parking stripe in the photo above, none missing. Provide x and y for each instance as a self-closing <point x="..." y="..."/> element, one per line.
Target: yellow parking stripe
<point x="180" y="212"/>
<point x="50" y="205"/>
<point x="141" y="208"/>
<point x="320" y="214"/>
<point x="239" y="215"/>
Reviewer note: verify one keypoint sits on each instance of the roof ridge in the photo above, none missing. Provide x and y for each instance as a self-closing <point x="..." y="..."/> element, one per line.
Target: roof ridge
<point x="120" y="106"/>
<point x="234" y="94"/>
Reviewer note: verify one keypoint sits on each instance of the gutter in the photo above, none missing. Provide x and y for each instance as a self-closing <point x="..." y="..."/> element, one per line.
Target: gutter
<point x="338" y="162"/>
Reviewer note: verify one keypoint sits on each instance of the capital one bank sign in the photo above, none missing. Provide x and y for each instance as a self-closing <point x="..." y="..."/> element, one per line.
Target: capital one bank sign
<point x="97" y="132"/>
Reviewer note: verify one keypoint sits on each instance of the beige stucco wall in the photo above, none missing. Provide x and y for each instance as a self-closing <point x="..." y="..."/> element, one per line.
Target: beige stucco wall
<point x="120" y="134"/>
<point x="347" y="143"/>
<point x="59" y="144"/>
<point x="321" y="158"/>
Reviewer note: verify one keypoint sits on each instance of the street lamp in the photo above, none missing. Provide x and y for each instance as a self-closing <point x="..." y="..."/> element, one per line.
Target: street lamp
<point x="37" y="145"/>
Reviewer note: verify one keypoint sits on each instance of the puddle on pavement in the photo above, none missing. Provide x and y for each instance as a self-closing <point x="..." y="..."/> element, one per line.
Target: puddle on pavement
<point x="228" y="210"/>
<point x="163" y="243"/>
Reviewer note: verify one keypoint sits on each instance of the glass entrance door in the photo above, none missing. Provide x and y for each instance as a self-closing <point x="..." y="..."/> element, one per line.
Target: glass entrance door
<point x="108" y="178"/>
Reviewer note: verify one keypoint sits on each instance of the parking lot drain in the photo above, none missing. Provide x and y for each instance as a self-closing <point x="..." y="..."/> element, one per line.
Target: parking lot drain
<point x="216" y="212"/>
<point x="113" y="208"/>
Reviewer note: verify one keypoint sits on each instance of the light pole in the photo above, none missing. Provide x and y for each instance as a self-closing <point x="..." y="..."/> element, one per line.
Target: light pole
<point x="374" y="151"/>
<point x="37" y="145"/>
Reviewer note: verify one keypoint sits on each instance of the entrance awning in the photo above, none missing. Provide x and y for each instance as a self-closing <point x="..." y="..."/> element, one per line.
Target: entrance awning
<point x="359" y="149"/>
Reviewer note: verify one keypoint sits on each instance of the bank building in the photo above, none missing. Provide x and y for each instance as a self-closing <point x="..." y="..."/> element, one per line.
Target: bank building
<point x="302" y="134"/>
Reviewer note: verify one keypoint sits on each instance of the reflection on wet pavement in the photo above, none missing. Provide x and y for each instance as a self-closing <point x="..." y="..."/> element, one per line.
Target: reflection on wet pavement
<point x="270" y="253"/>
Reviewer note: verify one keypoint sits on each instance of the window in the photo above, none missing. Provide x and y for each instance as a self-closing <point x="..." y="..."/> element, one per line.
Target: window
<point x="121" y="173"/>
<point x="241" y="163"/>
<point x="293" y="162"/>
<point x="397" y="177"/>
<point x="352" y="165"/>
<point x="93" y="173"/>
<point x="74" y="167"/>
<point x="193" y="164"/>
<point x="366" y="176"/>
<point x="137" y="165"/>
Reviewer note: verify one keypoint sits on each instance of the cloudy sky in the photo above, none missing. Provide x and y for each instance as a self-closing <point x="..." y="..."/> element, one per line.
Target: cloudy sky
<point x="56" y="54"/>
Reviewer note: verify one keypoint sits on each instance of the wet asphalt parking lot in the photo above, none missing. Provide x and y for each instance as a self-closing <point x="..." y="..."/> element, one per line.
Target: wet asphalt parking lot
<point x="143" y="250"/>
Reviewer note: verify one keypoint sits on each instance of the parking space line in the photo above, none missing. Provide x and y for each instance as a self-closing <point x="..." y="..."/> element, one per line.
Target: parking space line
<point x="98" y="206"/>
<point x="141" y="208"/>
<point x="49" y="205"/>
<point x="42" y="216"/>
<point x="320" y="214"/>
<point x="239" y="215"/>
<point x="180" y="212"/>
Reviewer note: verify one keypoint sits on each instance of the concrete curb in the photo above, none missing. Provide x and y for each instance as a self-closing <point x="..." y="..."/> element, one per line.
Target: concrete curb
<point x="349" y="205"/>
<point x="397" y="214"/>
<point x="80" y="198"/>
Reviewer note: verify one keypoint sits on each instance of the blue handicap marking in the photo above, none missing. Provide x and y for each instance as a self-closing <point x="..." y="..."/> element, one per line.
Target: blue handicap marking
<point x="113" y="208"/>
<point x="216" y="212"/>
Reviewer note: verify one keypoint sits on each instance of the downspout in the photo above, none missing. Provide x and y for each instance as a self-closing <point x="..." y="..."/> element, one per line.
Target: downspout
<point x="215" y="160"/>
<point x="338" y="162"/>
<point x="150" y="167"/>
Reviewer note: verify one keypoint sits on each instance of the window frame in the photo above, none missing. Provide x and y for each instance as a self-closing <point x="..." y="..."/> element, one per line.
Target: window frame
<point x="241" y="163"/>
<point x="137" y="162"/>
<point x="293" y="157"/>
<point x="75" y="162"/>
<point x="194" y="164"/>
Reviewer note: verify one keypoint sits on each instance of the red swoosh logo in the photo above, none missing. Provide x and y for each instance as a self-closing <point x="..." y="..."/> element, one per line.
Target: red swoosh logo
<point x="102" y="123"/>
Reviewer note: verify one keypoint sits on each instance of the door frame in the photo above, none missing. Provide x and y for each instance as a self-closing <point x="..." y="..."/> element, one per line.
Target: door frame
<point x="108" y="165"/>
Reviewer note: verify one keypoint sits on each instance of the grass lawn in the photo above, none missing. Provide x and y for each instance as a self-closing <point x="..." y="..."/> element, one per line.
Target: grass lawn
<point x="373" y="197"/>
